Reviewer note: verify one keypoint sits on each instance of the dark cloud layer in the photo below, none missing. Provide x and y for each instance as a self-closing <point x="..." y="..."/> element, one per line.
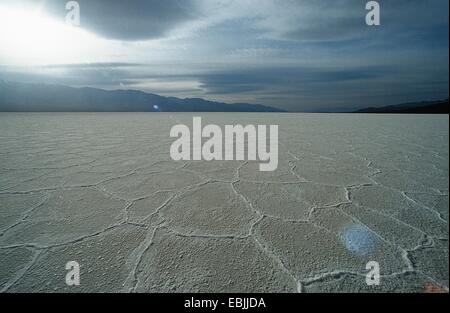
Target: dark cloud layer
<point x="345" y="19"/>
<point x="124" y="19"/>
<point x="245" y="80"/>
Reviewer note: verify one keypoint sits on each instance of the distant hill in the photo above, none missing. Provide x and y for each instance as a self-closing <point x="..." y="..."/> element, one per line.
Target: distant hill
<point x="430" y="107"/>
<point x="23" y="97"/>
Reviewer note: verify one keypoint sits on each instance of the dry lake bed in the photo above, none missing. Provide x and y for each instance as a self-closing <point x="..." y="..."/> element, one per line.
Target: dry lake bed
<point x="101" y="189"/>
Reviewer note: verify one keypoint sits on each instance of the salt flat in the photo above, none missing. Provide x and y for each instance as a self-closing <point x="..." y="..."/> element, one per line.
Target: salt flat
<point x="101" y="189"/>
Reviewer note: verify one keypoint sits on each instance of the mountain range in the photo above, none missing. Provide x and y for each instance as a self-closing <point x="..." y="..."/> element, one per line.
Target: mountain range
<point x="25" y="97"/>
<point x="424" y="107"/>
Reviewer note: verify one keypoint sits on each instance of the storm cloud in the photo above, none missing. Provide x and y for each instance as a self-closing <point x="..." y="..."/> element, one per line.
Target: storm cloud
<point x="123" y="20"/>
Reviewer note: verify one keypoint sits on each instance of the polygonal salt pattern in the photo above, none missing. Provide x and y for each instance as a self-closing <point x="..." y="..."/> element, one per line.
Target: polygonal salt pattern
<point x="102" y="190"/>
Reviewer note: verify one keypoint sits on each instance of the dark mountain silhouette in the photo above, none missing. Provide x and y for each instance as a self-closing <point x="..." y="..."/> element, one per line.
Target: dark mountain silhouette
<point x="23" y="97"/>
<point x="428" y="107"/>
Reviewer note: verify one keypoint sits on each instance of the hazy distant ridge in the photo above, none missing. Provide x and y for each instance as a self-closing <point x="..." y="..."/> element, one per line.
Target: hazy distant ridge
<point x="22" y="97"/>
<point x="430" y="107"/>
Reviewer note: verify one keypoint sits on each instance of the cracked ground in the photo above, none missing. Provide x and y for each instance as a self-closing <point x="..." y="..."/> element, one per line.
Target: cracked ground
<point x="101" y="189"/>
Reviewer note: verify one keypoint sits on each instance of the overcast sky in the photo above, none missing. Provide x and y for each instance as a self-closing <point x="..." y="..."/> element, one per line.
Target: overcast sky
<point x="292" y="54"/>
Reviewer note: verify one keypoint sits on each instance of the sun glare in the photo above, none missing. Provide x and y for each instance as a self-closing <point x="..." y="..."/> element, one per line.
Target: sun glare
<point x="29" y="37"/>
